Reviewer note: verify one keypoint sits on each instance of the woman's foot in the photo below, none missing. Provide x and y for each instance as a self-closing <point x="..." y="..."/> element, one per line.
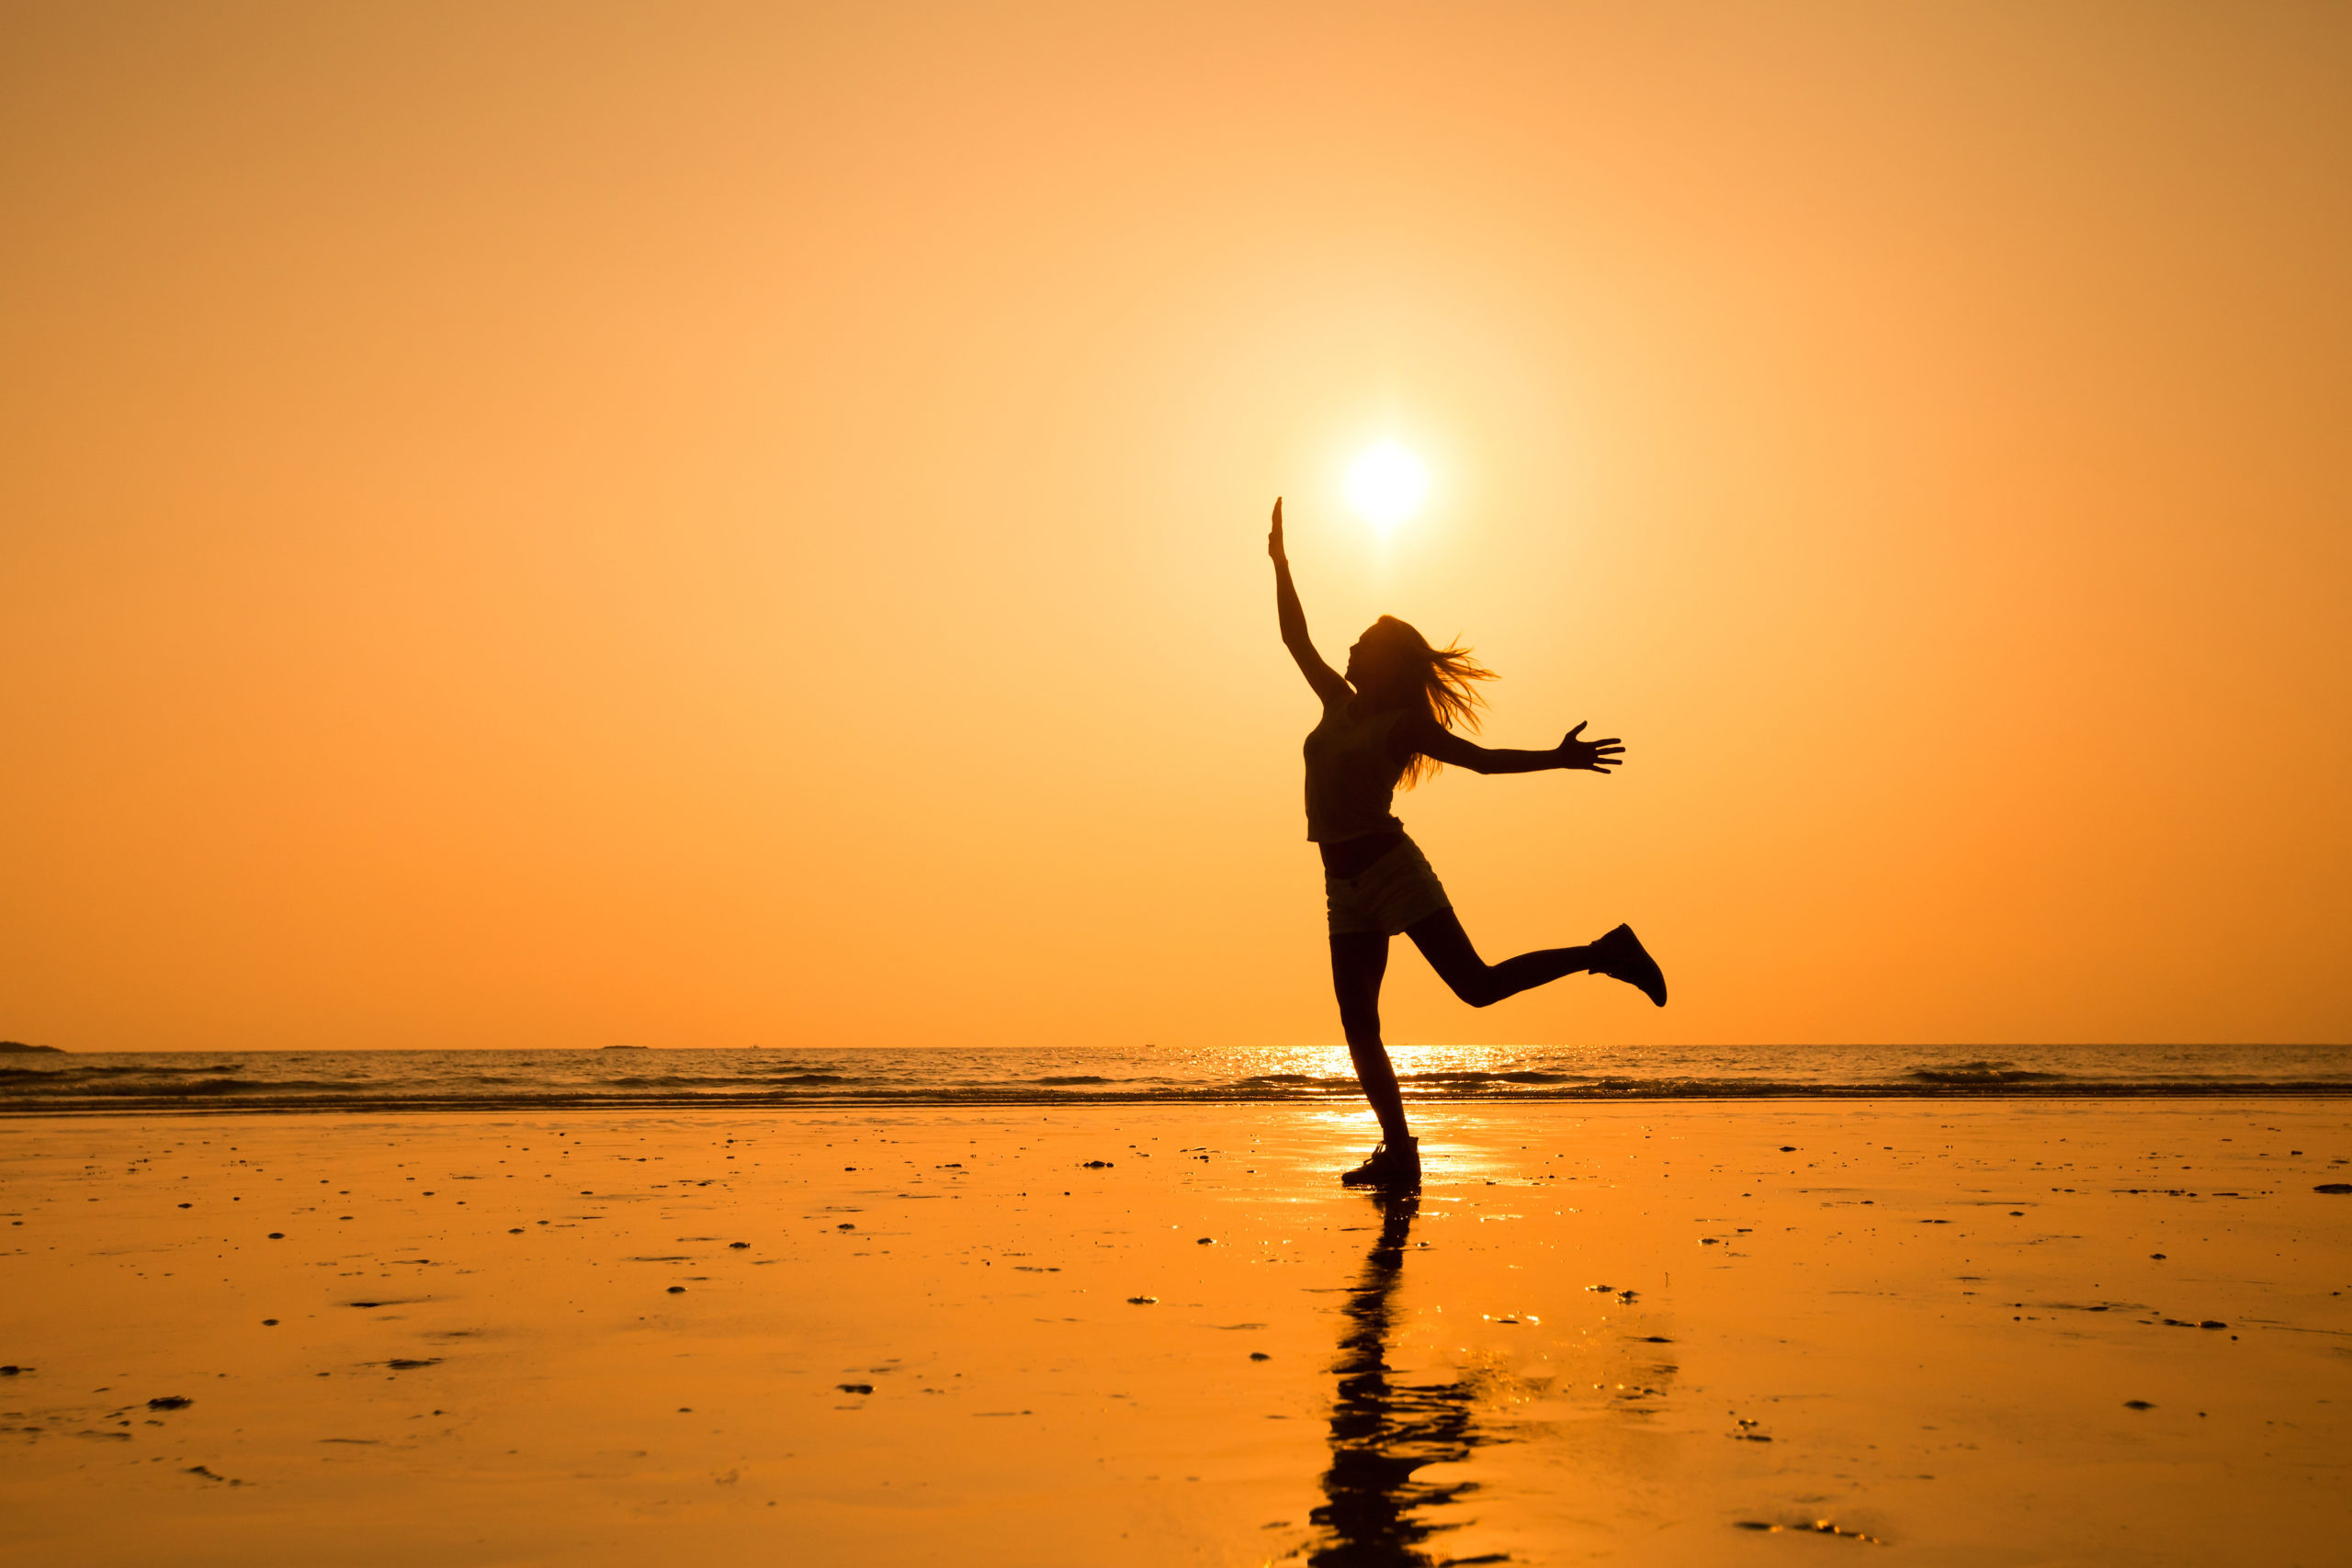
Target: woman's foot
<point x="1395" y="1168"/>
<point x="1621" y="956"/>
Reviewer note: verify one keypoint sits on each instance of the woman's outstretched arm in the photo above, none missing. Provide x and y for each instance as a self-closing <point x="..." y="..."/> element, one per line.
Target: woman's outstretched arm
<point x="1433" y="739"/>
<point x="1327" y="681"/>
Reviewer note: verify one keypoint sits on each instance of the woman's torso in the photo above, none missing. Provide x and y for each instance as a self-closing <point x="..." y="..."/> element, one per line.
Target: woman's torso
<point x="1351" y="768"/>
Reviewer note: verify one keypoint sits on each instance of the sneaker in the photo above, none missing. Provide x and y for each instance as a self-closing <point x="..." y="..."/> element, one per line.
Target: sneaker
<point x="1388" y="1167"/>
<point x="1621" y="956"/>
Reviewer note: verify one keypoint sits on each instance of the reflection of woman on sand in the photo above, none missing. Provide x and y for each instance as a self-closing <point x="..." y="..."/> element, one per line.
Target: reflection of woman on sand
<point x="1389" y="721"/>
<point x="1385" y="1428"/>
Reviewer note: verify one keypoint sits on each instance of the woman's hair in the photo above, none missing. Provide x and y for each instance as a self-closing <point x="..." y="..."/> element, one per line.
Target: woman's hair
<point x="1441" y="675"/>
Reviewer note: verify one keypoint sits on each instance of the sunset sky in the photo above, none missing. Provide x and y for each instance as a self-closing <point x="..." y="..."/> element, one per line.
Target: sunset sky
<point x="699" y="525"/>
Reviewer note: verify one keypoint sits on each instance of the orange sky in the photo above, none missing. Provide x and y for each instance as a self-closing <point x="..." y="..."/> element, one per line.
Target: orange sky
<point x="698" y="525"/>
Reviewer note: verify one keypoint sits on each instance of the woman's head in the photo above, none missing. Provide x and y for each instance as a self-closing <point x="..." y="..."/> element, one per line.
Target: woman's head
<point x="1393" y="666"/>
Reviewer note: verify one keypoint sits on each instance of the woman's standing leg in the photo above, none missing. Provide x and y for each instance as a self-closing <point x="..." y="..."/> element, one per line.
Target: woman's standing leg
<point x="1359" y="960"/>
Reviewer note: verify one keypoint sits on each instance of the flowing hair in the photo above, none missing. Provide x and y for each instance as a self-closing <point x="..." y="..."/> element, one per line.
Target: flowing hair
<point x="1443" y="677"/>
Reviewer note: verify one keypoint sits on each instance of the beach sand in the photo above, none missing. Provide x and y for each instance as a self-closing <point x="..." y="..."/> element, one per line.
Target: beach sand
<point x="1959" y="1332"/>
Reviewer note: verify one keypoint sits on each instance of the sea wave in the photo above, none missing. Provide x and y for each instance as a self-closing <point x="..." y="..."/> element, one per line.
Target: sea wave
<point x="800" y="1079"/>
<point x="1965" y="1073"/>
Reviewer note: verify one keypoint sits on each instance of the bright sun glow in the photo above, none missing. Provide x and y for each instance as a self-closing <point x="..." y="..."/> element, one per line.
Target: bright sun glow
<point x="1387" y="484"/>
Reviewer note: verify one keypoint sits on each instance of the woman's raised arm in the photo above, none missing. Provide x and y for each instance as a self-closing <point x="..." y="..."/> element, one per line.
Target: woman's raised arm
<point x="1327" y="681"/>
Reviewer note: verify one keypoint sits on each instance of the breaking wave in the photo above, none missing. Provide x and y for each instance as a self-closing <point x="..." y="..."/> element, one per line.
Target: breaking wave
<point x="800" y="1079"/>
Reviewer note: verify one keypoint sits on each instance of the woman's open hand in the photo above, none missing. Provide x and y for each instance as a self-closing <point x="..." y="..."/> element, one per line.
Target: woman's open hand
<point x="1274" y="538"/>
<point x="1593" y="756"/>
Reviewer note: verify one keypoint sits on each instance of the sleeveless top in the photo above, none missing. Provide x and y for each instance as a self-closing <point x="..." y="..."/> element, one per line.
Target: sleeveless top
<point x="1350" y="774"/>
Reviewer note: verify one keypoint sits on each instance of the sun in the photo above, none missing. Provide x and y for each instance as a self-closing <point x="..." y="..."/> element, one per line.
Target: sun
<point x="1386" y="484"/>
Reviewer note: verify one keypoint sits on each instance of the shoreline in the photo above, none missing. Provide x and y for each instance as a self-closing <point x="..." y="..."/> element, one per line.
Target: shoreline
<point x="1840" y="1094"/>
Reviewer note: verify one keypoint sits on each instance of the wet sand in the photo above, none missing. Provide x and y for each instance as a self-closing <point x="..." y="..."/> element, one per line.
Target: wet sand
<point x="1977" y="1333"/>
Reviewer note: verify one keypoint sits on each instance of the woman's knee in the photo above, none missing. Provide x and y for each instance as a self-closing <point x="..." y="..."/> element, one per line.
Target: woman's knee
<point x="1482" y="990"/>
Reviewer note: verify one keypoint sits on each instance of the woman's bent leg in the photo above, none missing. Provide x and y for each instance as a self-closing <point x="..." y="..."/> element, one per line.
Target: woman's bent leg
<point x="1359" y="961"/>
<point x="1447" y="947"/>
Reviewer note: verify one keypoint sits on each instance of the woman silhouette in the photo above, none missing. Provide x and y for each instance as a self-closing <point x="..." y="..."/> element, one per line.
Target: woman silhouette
<point x="1389" y="721"/>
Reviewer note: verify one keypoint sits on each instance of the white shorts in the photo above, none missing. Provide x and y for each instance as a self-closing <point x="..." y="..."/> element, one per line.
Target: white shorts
<point x="1389" y="894"/>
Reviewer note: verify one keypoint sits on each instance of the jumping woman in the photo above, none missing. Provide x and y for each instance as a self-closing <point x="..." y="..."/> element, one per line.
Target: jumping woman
<point x="1388" y="721"/>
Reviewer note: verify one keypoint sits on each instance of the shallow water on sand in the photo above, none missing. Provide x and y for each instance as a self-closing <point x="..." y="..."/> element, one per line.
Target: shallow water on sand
<point x="1976" y="1333"/>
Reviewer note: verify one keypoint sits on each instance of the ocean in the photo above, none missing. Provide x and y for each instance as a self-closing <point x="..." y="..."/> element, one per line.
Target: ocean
<point x="804" y="1078"/>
